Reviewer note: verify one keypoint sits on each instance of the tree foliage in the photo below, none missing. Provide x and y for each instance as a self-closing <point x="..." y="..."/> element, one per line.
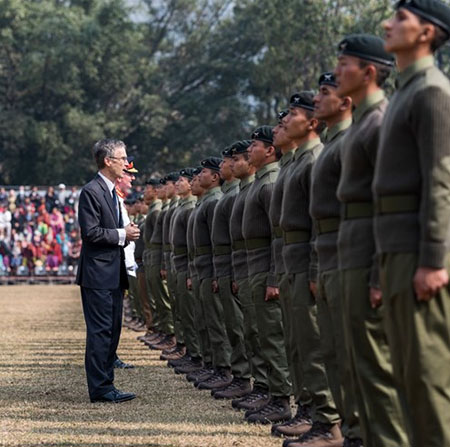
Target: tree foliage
<point x="183" y="81"/>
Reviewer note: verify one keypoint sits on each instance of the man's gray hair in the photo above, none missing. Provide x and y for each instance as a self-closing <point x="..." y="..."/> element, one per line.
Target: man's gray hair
<point x="106" y="148"/>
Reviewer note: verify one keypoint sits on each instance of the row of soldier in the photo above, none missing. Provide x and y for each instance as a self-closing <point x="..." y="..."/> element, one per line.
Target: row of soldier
<point x="311" y="260"/>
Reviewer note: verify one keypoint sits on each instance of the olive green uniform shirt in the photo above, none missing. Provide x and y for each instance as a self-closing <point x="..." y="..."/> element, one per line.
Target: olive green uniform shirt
<point x="256" y="224"/>
<point x="239" y="253"/>
<point x="202" y="233"/>
<point x="150" y="224"/>
<point x="167" y="253"/>
<point x="412" y="176"/>
<point x="156" y="239"/>
<point x="324" y="206"/>
<point x="220" y="236"/>
<point x="275" y="210"/>
<point x="359" y="146"/>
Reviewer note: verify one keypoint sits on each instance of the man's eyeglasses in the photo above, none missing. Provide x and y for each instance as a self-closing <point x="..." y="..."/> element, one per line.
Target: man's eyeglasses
<point x="124" y="159"/>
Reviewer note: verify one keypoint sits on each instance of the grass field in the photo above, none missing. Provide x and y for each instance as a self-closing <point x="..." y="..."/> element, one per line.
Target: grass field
<point x="43" y="394"/>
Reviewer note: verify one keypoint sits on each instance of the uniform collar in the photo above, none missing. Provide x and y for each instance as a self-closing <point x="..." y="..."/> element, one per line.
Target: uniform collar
<point x="333" y="131"/>
<point x="174" y="200"/>
<point x="306" y="147"/>
<point x="187" y="200"/>
<point x="286" y="158"/>
<point x="367" y="103"/>
<point x="247" y="181"/>
<point x="266" y="168"/>
<point x="227" y="186"/>
<point x="409" y="72"/>
<point x="153" y="205"/>
<point x="212" y="191"/>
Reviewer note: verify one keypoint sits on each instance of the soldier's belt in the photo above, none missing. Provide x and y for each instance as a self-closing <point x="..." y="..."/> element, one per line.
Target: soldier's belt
<point x="253" y="244"/>
<point x="203" y="250"/>
<point x="357" y="210"/>
<point x="222" y="250"/>
<point x="329" y="225"/>
<point x="167" y="248"/>
<point x="155" y="246"/>
<point x="295" y="237"/>
<point x="277" y="232"/>
<point x="238" y="245"/>
<point x="180" y="250"/>
<point x="407" y="203"/>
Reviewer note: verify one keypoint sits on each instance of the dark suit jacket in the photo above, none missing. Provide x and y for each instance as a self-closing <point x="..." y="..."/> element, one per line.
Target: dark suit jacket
<point x="102" y="261"/>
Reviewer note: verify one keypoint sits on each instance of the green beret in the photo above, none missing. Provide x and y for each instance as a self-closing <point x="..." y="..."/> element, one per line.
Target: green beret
<point x="172" y="177"/>
<point x="434" y="11"/>
<point x="263" y="133"/>
<point x="328" y="79"/>
<point x="227" y="152"/>
<point x="282" y="114"/>
<point x="212" y="163"/>
<point x="187" y="172"/>
<point x="240" y="147"/>
<point x="153" y="181"/>
<point x="367" y="47"/>
<point x="304" y="100"/>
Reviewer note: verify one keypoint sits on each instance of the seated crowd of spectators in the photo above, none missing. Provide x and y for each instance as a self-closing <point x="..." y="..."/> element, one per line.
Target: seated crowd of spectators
<point x="39" y="232"/>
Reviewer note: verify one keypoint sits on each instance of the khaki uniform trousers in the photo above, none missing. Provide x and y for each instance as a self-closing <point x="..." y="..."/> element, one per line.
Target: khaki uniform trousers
<point x="234" y="325"/>
<point x="271" y="337"/>
<point x="336" y="355"/>
<point x="379" y="406"/>
<point x="186" y="308"/>
<point x="215" y="325"/>
<point x="257" y="364"/>
<point x="200" y="323"/>
<point x="419" y="339"/>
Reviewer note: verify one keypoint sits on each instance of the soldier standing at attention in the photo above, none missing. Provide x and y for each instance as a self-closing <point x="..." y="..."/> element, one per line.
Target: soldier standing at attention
<point x="166" y="267"/>
<point x="363" y="66"/>
<point x="200" y="366"/>
<point x="159" y="284"/>
<point x="301" y="422"/>
<point x="302" y="127"/>
<point x="336" y="112"/>
<point x="228" y="306"/>
<point x="245" y="172"/>
<point x="210" y="181"/>
<point x="257" y="231"/>
<point x="154" y="208"/>
<point x="412" y="202"/>
<point x="178" y="242"/>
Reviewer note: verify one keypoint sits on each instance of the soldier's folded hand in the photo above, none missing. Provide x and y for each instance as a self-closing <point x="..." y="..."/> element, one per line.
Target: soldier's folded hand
<point x="427" y="282"/>
<point x="376" y="297"/>
<point x="189" y="283"/>
<point x="272" y="293"/>
<point x="163" y="274"/>
<point x="234" y="287"/>
<point x="132" y="232"/>
<point x="215" y="286"/>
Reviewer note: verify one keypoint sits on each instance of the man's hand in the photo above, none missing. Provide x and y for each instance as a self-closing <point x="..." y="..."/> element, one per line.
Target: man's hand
<point x="215" y="286"/>
<point x="163" y="274"/>
<point x="376" y="298"/>
<point x="313" y="288"/>
<point x="272" y="293"/>
<point x="189" y="283"/>
<point x="427" y="282"/>
<point x="132" y="232"/>
<point x="234" y="287"/>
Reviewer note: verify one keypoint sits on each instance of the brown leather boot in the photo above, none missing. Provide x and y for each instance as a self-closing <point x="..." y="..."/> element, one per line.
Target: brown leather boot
<point x="220" y="380"/>
<point x="168" y="342"/>
<point x="179" y="352"/>
<point x="253" y="401"/>
<point x="297" y="426"/>
<point x="278" y="409"/>
<point x="320" y="435"/>
<point x="237" y="388"/>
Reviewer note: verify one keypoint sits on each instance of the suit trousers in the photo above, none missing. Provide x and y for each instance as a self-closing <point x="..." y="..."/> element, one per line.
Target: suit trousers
<point x="419" y="340"/>
<point x="102" y="310"/>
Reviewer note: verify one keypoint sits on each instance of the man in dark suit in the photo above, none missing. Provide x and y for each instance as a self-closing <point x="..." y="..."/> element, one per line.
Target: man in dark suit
<point x="101" y="270"/>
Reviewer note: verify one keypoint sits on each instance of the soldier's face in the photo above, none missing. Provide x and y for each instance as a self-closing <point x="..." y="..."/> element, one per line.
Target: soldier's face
<point x="182" y="186"/>
<point x="197" y="190"/>
<point x="280" y="137"/>
<point x="257" y="154"/>
<point x="161" y="192"/>
<point x="240" y="165"/>
<point x="226" y="172"/>
<point x="206" y="178"/>
<point x="403" y="32"/>
<point x="149" y="193"/>
<point x="350" y="77"/>
<point x="296" y="123"/>
<point x="170" y="189"/>
<point x="326" y="102"/>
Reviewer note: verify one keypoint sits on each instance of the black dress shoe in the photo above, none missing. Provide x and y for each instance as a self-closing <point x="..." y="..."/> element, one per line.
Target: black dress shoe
<point x="115" y="397"/>
<point x="122" y="365"/>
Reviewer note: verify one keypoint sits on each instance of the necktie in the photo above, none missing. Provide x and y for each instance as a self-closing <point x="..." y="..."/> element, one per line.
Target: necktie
<point x="116" y="203"/>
